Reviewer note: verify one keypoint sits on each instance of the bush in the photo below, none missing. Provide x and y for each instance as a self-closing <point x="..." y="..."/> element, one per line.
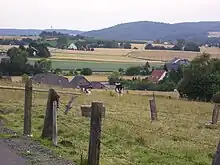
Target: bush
<point x="132" y="71"/>
<point x="86" y="72"/>
<point x="216" y="98"/>
<point x="24" y="77"/>
<point x="113" y="78"/>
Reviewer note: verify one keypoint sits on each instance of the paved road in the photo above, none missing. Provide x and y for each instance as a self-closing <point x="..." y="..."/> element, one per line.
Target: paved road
<point x="9" y="157"/>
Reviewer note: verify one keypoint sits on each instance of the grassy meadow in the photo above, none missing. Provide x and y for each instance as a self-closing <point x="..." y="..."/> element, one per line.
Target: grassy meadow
<point x="95" y="66"/>
<point x="128" y="136"/>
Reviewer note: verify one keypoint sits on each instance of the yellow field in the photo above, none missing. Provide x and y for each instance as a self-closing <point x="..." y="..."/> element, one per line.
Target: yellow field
<point x="214" y="34"/>
<point x="166" y="55"/>
<point x="126" y="55"/>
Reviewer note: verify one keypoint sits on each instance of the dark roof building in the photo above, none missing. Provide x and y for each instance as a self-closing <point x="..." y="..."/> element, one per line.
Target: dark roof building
<point x="80" y="82"/>
<point x="51" y="79"/>
<point x="97" y="85"/>
<point x="4" y="56"/>
<point x="176" y="63"/>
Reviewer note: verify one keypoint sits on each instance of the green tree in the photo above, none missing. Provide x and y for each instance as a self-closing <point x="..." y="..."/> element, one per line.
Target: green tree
<point x="113" y="78"/>
<point x="86" y="71"/>
<point x="147" y="65"/>
<point x="42" y="66"/>
<point x="191" y="46"/>
<point x="40" y="49"/>
<point x="165" y="67"/>
<point x="121" y="71"/>
<point x="62" y="42"/>
<point x="18" y="61"/>
<point x="57" y="71"/>
<point x="133" y="71"/>
<point x="201" y="79"/>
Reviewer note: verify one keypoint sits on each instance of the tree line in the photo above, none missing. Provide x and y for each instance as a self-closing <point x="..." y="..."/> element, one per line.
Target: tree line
<point x="198" y="81"/>
<point x="18" y="63"/>
<point x="181" y="45"/>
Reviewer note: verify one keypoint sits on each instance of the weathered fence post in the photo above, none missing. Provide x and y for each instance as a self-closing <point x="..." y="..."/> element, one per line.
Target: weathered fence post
<point x="48" y="119"/>
<point x="95" y="134"/>
<point x="215" y="114"/>
<point x="55" y="123"/>
<point x="27" y="107"/>
<point x="216" y="158"/>
<point x="69" y="105"/>
<point x="153" y="109"/>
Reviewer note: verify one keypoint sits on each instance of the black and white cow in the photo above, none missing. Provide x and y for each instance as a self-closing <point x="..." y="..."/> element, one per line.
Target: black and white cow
<point x="118" y="88"/>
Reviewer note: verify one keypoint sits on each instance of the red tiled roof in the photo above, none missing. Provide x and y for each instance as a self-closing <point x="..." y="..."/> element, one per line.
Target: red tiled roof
<point x="156" y="75"/>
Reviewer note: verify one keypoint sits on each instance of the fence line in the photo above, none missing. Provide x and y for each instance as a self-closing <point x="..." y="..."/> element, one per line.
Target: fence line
<point x="38" y="90"/>
<point x="95" y="125"/>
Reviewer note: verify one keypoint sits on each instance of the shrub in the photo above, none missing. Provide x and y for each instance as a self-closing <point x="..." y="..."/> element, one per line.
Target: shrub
<point x="24" y="78"/>
<point x="86" y="72"/>
<point x="216" y="97"/>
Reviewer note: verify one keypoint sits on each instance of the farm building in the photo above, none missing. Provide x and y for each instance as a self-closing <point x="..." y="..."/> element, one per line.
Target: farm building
<point x="157" y="76"/>
<point x="80" y="82"/>
<point x="51" y="79"/>
<point x="72" y="47"/>
<point x="176" y="63"/>
<point x="4" y="56"/>
<point x="97" y="85"/>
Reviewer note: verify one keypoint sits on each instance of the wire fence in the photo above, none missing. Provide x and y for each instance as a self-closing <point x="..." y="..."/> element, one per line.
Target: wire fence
<point x="76" y="121"/>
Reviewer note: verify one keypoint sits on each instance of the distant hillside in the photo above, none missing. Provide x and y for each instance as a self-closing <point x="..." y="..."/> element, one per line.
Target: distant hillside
<point x="153" y="30"/>
<point x="19" y="32"/>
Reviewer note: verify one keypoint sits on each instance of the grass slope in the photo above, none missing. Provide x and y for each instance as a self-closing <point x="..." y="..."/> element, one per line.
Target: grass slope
<point x="128" y="136"/>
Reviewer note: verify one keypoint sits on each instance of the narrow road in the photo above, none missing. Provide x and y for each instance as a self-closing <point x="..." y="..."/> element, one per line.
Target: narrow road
<point x="9" y="157"/>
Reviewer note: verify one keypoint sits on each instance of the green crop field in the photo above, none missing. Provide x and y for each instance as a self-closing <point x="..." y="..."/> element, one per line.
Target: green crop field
<point x="128" y="136"/>
<point x="95" y="66"/>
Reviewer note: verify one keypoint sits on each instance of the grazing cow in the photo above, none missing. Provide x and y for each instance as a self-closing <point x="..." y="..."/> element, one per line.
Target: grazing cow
<point x="87" y="91"/>
<point x="118" y="88"/>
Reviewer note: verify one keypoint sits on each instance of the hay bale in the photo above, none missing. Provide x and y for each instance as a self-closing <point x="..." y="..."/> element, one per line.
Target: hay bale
<point x="86" y="111"/>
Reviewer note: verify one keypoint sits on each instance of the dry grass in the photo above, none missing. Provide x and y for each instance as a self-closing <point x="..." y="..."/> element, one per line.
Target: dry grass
<point x="128" y="135"/>
<point x="95" y="57"/>
<point x="98" y="51"/>
<point x="167" y="55"/>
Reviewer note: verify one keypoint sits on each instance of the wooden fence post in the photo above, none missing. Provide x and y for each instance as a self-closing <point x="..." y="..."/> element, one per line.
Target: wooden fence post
<point x="48" y="119"/>
<point x="55" y="123"/>
<point x="153" y="109"/>
<point x="215" y="114"/>
<point x="27" y="107"/>
<point x="216" y="158"/>
<point x="69" y="105"/>
<point x="95" y="134"/>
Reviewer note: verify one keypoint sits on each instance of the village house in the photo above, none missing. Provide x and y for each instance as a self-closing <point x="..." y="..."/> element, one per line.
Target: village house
<point x="51" y="79"/>
<point x="80" y="82"/>
<point x="157" y="76"/>
<point x="72" y="47"/>
<point x="176" y="63"/>
<point x="97" y="85"/>
<point x="4" y="56"/>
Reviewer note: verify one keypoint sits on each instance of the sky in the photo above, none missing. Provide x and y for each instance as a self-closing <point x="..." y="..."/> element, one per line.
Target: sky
<point x="97" y="14"/>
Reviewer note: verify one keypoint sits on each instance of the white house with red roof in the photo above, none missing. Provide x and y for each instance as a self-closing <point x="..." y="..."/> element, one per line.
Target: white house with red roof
<point x="157" y="76"/>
